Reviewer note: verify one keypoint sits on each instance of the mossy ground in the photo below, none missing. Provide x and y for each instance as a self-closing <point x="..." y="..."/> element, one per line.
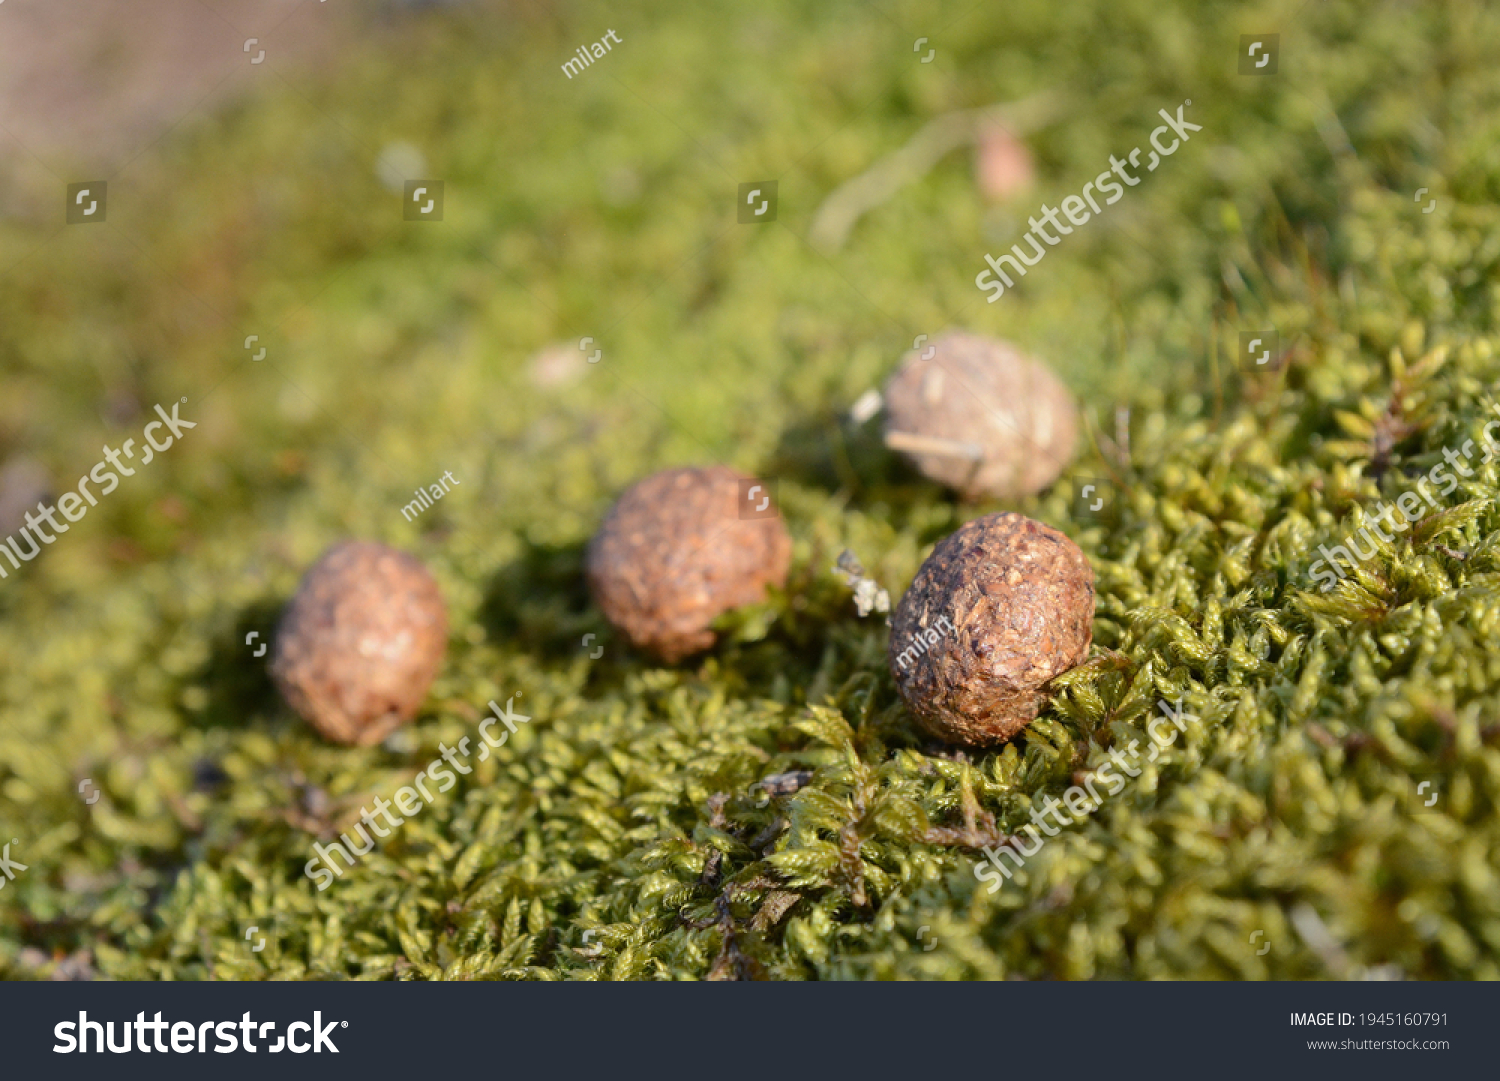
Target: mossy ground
<point x="601" y="206"/>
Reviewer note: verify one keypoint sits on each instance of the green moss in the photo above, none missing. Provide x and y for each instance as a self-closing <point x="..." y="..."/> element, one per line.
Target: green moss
<point x="618" y="835"/>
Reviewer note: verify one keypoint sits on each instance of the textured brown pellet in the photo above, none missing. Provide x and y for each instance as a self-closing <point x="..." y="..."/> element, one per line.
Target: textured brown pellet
<point x="980" y="417"/>
<point x="675" y="552"/>
<point x="361" y="642"/>
<point x="1001" y="607"/>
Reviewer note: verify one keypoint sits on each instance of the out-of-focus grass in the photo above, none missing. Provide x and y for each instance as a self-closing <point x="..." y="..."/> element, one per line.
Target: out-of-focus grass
<point x="602" y="206"/>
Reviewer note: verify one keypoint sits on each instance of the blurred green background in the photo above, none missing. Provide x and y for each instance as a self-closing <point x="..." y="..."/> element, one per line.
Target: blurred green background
<point x="265" y="199"/>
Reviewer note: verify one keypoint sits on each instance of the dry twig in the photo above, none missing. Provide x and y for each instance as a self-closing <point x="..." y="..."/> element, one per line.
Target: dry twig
<point x="854" y="198"/>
